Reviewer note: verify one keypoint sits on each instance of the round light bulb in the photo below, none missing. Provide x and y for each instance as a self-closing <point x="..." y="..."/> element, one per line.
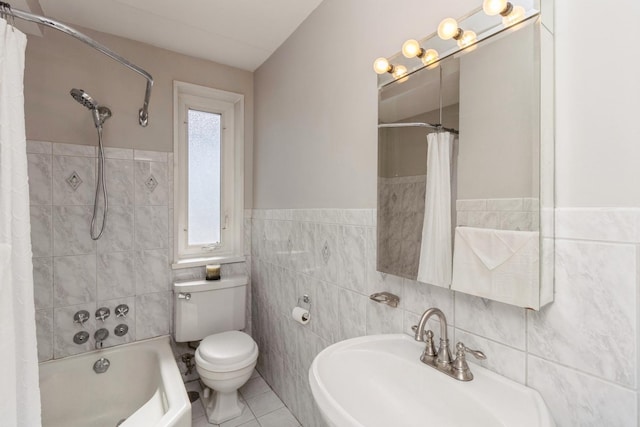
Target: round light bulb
<point x="399" y="71"/>
<point x="411" y="48"/>
<point x="381" y="65"/>
<point x="430" y="55"/>
<point x="447" y="28"/>
<point x="468" y="38"/>
<point x="494" y="7"/>
<point x="517" y="14"/>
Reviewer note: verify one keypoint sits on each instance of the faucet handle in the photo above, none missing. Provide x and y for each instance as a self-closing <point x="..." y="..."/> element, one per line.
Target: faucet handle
<point x="461" y="349"/>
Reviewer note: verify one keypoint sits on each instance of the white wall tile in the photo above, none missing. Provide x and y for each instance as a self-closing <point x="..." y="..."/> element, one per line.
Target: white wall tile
<point x="43" y="282"/>
<point x="71" y="225"/>
<point x="41" y="231"/>
<point x="74" y="280"/>
<point x="118" y="233"/>
<point x="502" y="359"/>
<point x="119" y="181"/>
<point x="44" y="334"/>
<point x="579" y="400"/>
<point x="150" y="156"/>
<point x="40" y="178"/>
<point x="598" y="224"/>
<point x="351" y="253"/>
<point x="153" y="314"/>
<point x="500" y="322"/>
<point x="591" y="324"/>
<point x="151" y="271"/>
<point x="115" y="275"/>
<point x="151" y="227"/>
<point x="63" y="168"/>
<point x="74" y="150"/>
<point x="39" y="147"/>
<point x="158" y="192"/>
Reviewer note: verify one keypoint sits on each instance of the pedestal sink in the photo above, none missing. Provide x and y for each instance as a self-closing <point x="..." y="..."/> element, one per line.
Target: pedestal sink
<point x="379" y="381"/>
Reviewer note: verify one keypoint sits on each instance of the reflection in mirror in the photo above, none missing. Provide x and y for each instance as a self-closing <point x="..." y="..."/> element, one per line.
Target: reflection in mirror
<point x="485" y="102"/>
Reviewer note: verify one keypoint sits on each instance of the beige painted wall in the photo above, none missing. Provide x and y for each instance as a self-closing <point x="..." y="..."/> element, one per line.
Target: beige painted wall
<point x="316" y="102"/>
<point x="56" y="63"/>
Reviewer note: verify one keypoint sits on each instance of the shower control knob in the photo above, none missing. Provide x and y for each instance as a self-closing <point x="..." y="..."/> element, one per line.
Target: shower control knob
<point x="103" y="313"/>
<point x="121" y="330"/>
<point x="122" y="310"/>
<point x="81" y="317"/>
<point x="81" y="337"/>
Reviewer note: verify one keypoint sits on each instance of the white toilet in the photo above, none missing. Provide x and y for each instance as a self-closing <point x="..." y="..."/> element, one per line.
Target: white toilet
<point x="214" y="311"/>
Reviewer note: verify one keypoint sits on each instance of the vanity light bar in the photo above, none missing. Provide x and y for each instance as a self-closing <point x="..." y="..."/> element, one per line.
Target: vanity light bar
<point x="449" y="29"/>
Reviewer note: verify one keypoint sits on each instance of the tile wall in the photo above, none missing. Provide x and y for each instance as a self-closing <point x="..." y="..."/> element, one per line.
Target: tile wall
<point x="519" y="214"/>
<point x="579" y="351"/>
<point x="401" y="208"/>
<point x="129" y="264"/>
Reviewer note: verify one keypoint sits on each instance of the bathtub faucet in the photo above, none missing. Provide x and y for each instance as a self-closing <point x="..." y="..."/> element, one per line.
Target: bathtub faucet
<point x="100" y="335"/>
<point x="101" y="365"/>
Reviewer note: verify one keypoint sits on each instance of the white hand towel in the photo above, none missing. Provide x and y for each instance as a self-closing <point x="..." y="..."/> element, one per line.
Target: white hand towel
<point x="498" y="264"/>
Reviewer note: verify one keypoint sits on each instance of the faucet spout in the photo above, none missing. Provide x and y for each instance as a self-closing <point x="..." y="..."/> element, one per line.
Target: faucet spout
<point x="444" y="352"/>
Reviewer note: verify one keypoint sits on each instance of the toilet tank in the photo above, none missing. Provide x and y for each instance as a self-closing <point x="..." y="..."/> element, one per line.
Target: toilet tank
<point x="206" y="307"/>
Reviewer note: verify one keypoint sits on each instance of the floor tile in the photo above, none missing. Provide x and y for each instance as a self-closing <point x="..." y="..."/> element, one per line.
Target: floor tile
<point x="280" y="418"/>
<point x="264" y="403"/>
<point x="254" y="387"/>
<point x="253" y="423"/>
<point x="245" y="417"/>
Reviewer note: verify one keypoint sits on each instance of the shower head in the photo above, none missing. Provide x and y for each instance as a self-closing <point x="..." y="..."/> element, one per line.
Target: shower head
<point x="99" y="113"/>
<point x="83" y="98"/>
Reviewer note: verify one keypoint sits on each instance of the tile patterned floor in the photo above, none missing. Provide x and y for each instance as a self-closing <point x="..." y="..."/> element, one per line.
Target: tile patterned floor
<point x="263" y="407"/>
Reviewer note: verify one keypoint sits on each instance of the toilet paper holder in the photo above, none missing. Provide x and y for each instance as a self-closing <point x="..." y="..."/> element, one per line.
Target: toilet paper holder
<point x="304" y="302"/>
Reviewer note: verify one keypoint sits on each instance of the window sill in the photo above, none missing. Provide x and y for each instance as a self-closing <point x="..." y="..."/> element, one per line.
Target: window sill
<point x="201" y="262"/>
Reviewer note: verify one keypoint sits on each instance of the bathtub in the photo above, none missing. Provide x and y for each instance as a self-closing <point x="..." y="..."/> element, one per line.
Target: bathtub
<point x="142" y="386"/>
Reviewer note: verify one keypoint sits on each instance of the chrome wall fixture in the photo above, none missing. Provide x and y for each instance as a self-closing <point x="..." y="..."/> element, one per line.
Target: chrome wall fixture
<point x="143" y="113"/>
<point x="450" y="29"/>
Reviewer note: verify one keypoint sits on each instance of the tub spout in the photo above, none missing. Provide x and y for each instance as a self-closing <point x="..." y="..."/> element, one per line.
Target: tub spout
<point x="101" y="365"/>
<point x="100" y="335"/>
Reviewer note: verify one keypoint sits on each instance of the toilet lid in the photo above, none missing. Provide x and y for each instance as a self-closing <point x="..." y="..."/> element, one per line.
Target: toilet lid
<point x="228" y="351"/>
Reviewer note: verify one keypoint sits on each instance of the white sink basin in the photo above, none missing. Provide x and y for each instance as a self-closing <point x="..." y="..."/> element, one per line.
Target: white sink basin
<point x="379" y="381"/>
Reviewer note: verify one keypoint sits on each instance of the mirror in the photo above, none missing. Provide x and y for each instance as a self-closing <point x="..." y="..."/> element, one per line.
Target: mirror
<point x="486" y="102"/>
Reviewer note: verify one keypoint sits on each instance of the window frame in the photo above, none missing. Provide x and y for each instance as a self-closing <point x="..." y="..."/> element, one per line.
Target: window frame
<point x="231" y="108"/>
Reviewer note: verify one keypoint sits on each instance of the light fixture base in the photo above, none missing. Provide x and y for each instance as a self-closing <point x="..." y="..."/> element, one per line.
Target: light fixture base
<point x="458" y="34"/>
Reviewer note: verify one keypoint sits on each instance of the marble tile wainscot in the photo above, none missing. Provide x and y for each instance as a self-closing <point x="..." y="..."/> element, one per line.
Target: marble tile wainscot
<point x="580" y="352"/>
<point x="129" y="264"/>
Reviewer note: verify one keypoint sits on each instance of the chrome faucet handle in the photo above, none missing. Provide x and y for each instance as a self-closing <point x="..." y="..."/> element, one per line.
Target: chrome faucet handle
<point x="81" y="317"/>
<point x="122" y="310"/>
<point x="461" y="349"/>
<point x="460" y="367"/>
<point x="103" y="313"/>
<point x="430" y="349"/>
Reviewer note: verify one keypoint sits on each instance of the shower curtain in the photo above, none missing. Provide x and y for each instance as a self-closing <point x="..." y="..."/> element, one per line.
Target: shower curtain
<point x="19" y="389"/>
<point x="435" y="252"/>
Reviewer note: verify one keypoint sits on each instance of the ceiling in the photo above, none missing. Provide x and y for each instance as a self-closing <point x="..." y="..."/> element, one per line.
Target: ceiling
<point x="239" y="33"/>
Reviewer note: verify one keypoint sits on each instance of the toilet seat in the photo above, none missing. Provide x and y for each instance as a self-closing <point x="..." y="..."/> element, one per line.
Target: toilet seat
<point x="226" y="351"/>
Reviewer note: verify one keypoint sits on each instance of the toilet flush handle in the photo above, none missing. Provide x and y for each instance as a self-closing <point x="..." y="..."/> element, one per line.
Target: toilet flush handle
<point x="183" y="295"/>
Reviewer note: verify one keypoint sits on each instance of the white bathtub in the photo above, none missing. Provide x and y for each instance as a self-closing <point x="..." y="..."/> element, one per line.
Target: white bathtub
<point x="142" y="385"/>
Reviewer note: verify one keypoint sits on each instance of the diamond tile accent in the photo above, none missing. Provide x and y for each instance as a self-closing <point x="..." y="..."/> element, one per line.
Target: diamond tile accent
<point x="394" y="197"/>
<point x="326" y="252"/>
<point x="74" y="180"/>
<point x="151" y="183"/>
<point x="289" y="245"/>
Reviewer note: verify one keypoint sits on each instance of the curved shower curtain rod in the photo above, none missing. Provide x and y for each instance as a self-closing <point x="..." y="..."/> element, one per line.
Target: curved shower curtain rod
<point x="143" y="113"/>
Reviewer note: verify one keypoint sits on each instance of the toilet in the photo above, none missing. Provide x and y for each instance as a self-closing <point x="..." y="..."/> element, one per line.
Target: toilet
<point x="214" y="312"/>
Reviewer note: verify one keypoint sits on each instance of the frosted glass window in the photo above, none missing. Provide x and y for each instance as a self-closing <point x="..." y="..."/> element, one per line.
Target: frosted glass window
<point x="204" y="152"/>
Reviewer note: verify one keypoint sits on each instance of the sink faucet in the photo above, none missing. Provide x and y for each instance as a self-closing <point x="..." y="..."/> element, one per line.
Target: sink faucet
<point x="441" y="359"/>
<point x="443" y="356"/>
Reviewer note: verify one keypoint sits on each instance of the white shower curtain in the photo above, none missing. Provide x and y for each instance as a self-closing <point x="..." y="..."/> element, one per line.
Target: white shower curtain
<point x="19" y="389"/>
<point x="435" y="252"/>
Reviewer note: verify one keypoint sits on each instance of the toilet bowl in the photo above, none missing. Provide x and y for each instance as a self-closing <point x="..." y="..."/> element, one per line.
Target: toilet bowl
<point x="225" y="362"/>
<point x="214" y="312"/>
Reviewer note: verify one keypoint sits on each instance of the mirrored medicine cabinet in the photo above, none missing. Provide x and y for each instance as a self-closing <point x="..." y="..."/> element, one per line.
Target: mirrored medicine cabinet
<point x="496" y="98"/>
